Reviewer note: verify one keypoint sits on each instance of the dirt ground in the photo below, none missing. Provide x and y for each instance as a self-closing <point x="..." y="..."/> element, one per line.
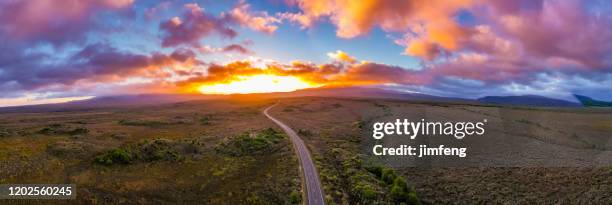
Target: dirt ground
<point x="527" y="156"/>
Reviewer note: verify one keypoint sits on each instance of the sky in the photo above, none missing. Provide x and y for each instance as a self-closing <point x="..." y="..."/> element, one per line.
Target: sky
<point x="79" y="49"/>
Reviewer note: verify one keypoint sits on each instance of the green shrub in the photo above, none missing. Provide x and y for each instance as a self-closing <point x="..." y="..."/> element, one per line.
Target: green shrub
<point x="360" y="124"/>
<point x="413" y="198"/>
<point x="244" y="144"/>
<point x="365" y="191"/>
<point x="398" y="193"/>
<point x="399" y="181"/>
<point x="119" y="155"/>
<point x="265" y="141"/>
<point x="79" y="130"/>
<point x="46" y="130"/>
<point x="62" y="129"/>
<point x="147" y="123"/>
<point x="295" y="197"/>
<point x="388" y="175"/>
<point x="402" y="194"/>
<point x="159" y="149"/>
<point x="205" y="120"/>
<point x="376" y="170"/>
<point x="399" y="190"/>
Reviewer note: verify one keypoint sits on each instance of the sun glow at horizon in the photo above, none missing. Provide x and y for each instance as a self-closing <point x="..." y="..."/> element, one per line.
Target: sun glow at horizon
<point x="257" y="84"/>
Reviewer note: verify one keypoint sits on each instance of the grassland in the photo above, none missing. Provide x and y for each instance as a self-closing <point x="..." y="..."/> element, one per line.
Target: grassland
<point x="578" y="139"/>
<point x="227" y="152"/>
<point x="199" y="153"/>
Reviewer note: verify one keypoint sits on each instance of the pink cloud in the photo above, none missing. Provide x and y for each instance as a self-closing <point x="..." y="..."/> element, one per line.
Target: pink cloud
<point x="259" y="21"/>
<point x="556" y="29"/>
<point x="51" y="20"/>
<point x="237" y="48"/>
<point x="153" y="12"/>
<point x="194" y="25"/>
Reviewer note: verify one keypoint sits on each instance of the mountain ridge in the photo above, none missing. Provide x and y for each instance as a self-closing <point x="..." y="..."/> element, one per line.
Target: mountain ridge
<point x="351" y="92"/>
<point x="527" y="100"/>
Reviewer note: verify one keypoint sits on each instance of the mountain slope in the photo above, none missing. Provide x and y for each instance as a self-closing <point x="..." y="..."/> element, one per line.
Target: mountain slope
<point x="527" y="100"/>
<point x="110" y="101"/>
<point x="359" y="92"/>
<point x="590" y="102"/>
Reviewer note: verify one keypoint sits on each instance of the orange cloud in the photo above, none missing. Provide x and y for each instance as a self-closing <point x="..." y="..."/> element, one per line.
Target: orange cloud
<point x="341" y="56"/>
<point x="257" y="21"/>
<point x="330" y="74"/>
<point x="428" y="24"/>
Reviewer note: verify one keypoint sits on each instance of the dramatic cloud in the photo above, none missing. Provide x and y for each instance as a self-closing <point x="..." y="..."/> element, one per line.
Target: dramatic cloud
<point x="564" y="32"/>
<point x="236" y="48"/>
<point x="527" y="39"/>
<point x="464" y="47"/>
<point x="505" y="42"/>
<point x="151" y="13"/>
<point x="194" y="25"/>
<point x="53" y="21"/>
<point x="331" y="74"/>
<point x="341" y="56"/>
<point x="97" y="63"/>
<point x="260" y="21"/>
<point x="429" y="25"/>
<point x="221" y="74"/>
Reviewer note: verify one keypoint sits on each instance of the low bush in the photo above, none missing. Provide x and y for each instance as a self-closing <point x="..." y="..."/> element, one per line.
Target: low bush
<point x="115" y="156"/>
<point x="398" y="188"/>
<point x="159" y="150"/>
<point x="304" y="132"/>
<point x="266" y="141"/>
<point x="4" y="132"/>
<point x="388" y="175"/>
<point x="147" y="123"/>
<point x="79" y="131"/>
<point x="295" y="197"/>
<point x="364" y="191"/>
<point x="63" y="129"/>
<point x="150" y="151"/>
<point x="205" y="120"/>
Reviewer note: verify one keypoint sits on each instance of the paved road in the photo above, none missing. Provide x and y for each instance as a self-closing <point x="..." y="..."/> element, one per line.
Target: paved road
<point x="311" y="176"/>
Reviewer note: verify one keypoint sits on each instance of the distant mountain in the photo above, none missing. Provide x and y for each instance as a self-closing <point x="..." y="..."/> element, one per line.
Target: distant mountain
<point x="141" y="99"/>
<point x="527" y="100"/>
<point x="155" y="99"/>
<point x="351" y="92"/>
<point x="358" y="92"/>
<point x="590" y="102"/>
<point x="111" y="101"/>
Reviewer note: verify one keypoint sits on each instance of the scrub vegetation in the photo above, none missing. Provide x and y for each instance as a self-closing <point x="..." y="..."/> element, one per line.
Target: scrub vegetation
<point x="208" y="152"/>
<point x="335" y="129"/>
<point x="228" y="152"/>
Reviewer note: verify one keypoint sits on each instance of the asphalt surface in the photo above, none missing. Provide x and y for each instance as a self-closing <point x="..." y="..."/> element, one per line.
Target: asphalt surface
<point x="314" y="192"/>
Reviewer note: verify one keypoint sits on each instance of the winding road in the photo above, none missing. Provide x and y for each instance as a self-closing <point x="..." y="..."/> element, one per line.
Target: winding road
<point x="314" y="192"/>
